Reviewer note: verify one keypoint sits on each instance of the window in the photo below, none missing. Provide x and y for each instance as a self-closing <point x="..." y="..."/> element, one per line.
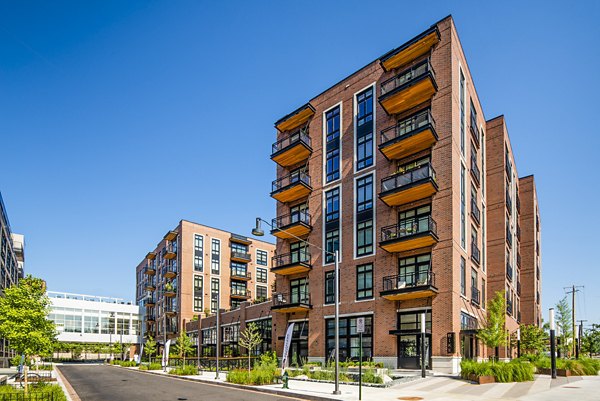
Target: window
<point x="414" y="270"/>
<point x="332" y="243"/>
<point x="238" y="269"/>
<point x="463" y="278"/>
<point x="483" y="293"/>
<point x="214" y="294"/>
<point x="364" y="193"/>
<point x="91" y="324"/>
<point x="463" y="206"/>
<point x="483" y="238"/>
<point x="330" y="287"/>
<point x="349" y="338"/>
<point x="198" y="289"/>
<point x="473" y="117"/>
<point x="238" y="288"/>
<point x="299" y="292"/>
<point x="332" y="202"/>
<point x="462" y="112"/>
<point x="239" y="248"/>
<point x="215" y="260"/>
<point x="265" y="328"/>
<point x="474" y="282"/>
<point x="364" y="216"/>
<point x="261" y="257"/>
<point x="364" y="281"/>
<point x="261" y="275"/>
<point x="364" y="238"/>
<point x="299" y="252"/>
<point x="473" y="236"/>
<point x="332" y="145"/>
<point x="198" y="252"/>
<point x="261" y="293"/>
<point x="411" y="321"/>
<point x="364" y="129"/>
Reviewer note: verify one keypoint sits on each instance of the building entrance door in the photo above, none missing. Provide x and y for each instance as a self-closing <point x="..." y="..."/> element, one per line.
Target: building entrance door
<point x="468" y="345"/>
<point x="409" y="351"/>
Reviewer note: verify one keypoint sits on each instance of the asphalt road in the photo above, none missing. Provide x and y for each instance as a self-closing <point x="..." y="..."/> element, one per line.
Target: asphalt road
<point x="106" y="383"/>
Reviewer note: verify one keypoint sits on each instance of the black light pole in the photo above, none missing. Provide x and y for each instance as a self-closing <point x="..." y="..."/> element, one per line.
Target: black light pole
<point x="552" y="344"/>
<point x="518" y="342"/>
<point x="423" y="373"/>
<point x="218" y="329"/>
<point x="577" y="339"/>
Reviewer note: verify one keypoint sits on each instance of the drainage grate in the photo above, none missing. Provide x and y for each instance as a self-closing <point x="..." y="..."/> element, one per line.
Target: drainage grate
<point x="181" y="399"/>
<point x="410" y="398"/>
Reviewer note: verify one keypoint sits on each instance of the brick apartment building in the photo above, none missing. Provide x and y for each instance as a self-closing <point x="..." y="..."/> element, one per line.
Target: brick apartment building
<point x="397" y="168"/>
<point x="194" y="265"/>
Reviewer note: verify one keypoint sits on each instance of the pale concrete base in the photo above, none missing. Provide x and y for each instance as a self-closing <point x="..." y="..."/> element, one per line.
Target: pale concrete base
<point x="446" y="364"/>
<point x="389" y="362"/>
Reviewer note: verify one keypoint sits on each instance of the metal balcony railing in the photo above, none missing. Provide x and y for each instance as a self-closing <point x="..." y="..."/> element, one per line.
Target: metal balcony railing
<point x="300" y="136"/>
<point x="302" y="256"/>
<point x="407" y="126"/>
<point x="294" y="298"/>
<point x="171" y="268"/>
<point x="289" y="180"/>
<point x="475" y="212"/>
<point x="241" y="274"/>
<point x="475" y="296"/>
<point x="405" y="179"/>
<point x="240" y="292"/>
<point x="508" y="202"/>
<point x="301" y="216"/>
<point x="475" y="253"/>
<point x="241" y="255"/>
<point x="407" y="76"/>
<point x="408" y="228"/>
<point x="475" y="171"/>
<point x="409" y="280"/>
<point x="509" y="271"/>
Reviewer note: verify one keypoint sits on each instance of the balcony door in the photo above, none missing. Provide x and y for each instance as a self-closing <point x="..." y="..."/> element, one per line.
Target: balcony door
<point x="414" y="271"/>
<point x="299" y="291"/>
<point x="297" y="213"/>
<point x="298" y="252"/>
<point x="414" y="221"/>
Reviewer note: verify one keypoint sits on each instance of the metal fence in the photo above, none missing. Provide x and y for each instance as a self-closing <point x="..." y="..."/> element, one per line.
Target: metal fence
<point x="210" y="363"/>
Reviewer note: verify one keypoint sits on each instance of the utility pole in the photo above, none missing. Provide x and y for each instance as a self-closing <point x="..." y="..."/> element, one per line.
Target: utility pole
<point x="573" y="291"/>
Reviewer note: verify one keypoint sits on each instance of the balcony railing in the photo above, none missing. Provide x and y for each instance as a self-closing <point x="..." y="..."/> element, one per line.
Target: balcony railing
<point x="475" y="212"/>
<point x="519" y="259"/>
<point x="286" y="220"/>
<point x="409" y="280"/>
<point x="240" y="255"/>
<point x="408" y="228"/>
<point x="475" y="253"/>
<point x="150" y="318"/>
<point x="509" y="307"/>
<point x="475" y="296"/>
<point x="509" y="237"/>
<point x="240" y="293"/>
<point x="300" y="136"/>
<point x="537" y="272"/>
<point x="149" y="301"/>
<point x="474" y="130"/>
<point x="170" y="309"/>
<point x="289" y="180"/>
<point x="241" y="275"/>
<point x="408" y="178"/>
<point x="518" y="232"/>
<point x="170" y="270"/>
<point x="151" y="284"/>
<point x="475" y="171"/>
<point x="509" y="271"/>
<point x="518" y="288"/>
<point x="408" y="127"/>
<point x="150" y="270"/>
<point x="407" y="76"/>
<point x="291" y="258"/>
<point x="289" y="299"/>
<point x="508" y="202"/>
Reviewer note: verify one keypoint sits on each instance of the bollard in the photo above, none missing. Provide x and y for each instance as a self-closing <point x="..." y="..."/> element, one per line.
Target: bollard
<point x="285" y="379"/>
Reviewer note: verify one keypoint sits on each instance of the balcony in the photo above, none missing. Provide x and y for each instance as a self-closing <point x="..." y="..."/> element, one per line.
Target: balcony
<point x="170" y="271"/>
<point x="149" y="302"/>
<point x="475" y="212"/>
<point x="411" y="50"/>
<point x="409" y="136"/>
<point x="296" y="302"/>
<point x="509" y="307"/>
<point x="151" y="285"/>
<point x="240" y="293"/>
<point x="409" y="286"/>
<point x="170" y="290"/>
<point x="292" y="149"/>
<point x="170" y="236"/>
<point x="519" y="259"/>
<point x="408" y="89"/>
<point x="408" y="235"/>
<point x="509" y="237"/>
<point x="291" y="263"/>
<point x="410" y="186"/>
<point x="292" y="187"/>
<point x="475" y="253"/>
<point x="170" y="310"/>
<point x="150" y="318"/>
<point x="241" y="275"/>
<point x="508" y="202"/>
<point x="475" y="296"/>
<point x="240" y="239"/>
<point x="509" y="271"/>
<point x="292" y="225"/>
<point x="171" y="251"/>
<point x="242" y="257"/>
<point x="296" y="118"/>
<point x="475" y="173"/>
<point x="518" y="288"/>
<point x="151" y="255"/>
<point x="150" y="270"/>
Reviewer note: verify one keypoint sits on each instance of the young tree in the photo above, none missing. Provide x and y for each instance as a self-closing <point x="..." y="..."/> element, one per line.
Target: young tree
<point x="533" y="339"/>
<point x="117" y="348"/>
<point x="183" y="346"/>
<point x="564" y="322"/>
<point x="24" y="318"/>
<point x="249" y="339"/>
<point x="492" y="334"/>
<point x="590" y="342"/>
<point x="150" y="347"/>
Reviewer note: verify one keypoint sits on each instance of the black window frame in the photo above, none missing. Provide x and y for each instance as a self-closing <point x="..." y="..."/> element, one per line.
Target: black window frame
<point x="329" y="287"/>
<point x="261" y="275"/>
<point x="262" y="257"/>
<point x="198" y="252"/>
<point x="332" y="145"/>
<point x="364" y="291"/>
<point x="364" y="241"/>
<point x="215" y="256"/>
<point x="347" y="334"/>
<point x="364" y="130"/>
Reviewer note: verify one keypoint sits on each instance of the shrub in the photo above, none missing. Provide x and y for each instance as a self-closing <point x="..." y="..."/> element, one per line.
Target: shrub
<point x="187" y="370"/>
<point x="578" y="367"/>
<point x="238" y="376"/>
<point x="513" y="371"/>
<point x="34" y="392"/>
<point x="154" y="366"/>
<point x="369" y="376"/>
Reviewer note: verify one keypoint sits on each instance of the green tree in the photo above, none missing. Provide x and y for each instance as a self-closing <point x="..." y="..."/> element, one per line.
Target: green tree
<point x="533" y="339"/>
<point x="150" y="347"/>
<point x="250" y="337"/>
<point x="590" y="342"/>
<point x="183" y="346"/>
<point x="24" y="318"/>
<point x="564" y="322"/>
<point x="492" y="334"/>
<point x="117" y="348"/>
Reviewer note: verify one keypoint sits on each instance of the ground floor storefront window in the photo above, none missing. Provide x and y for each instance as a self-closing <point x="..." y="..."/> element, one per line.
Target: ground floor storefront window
<point x="350" y="339"/>
<point x="409" y="334"/>
<point x="299" y="345"/>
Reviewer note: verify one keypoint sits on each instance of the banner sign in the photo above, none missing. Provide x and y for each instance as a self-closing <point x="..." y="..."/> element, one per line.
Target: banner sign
<point x="286" y="345"/>
<point x="165" y="358"/>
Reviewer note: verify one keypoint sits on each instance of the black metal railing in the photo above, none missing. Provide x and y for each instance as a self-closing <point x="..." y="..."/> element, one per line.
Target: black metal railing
<point x="241" y="255"/>
<point x="300" y="136"/>
<point x="408" y="228"/>
<point x="241" y="274"/>
<point x="518" y="288"/>
<point x="407" y="126"/>
<point x="509" y="271"/>
<point x="474" y="130"/>
<point x="293" y="298"/>
<point x="475" y="171"/>
<point x="151" y="283"/>
<point x="291" y="258"/>
<point x="518" y="232"/>
<point x="301" y="216"/>
<point x="509" y="237"/>
<point x="509" y="307"/>
<point x="475" y="212"/>
<point x="240" y="292"/>
<point x="289" y="180"/>
<point x="170" y="308"/>
<point x="172" y="247"/>
<point x="519" y="259"/>
<point x="407" y="76"/>
<point x="475" y="253"/>
<point x="508" y="202"/>
<point x="149" y="269"/>
<point x="239" y="238"/>
<point x="150" y="301"/>
<point x="171" y="268"/>
<point x="409" y="280"/>
<point x="475" y="296"/>
<point x="400" y="180"/>
<point x="150" y="318"/>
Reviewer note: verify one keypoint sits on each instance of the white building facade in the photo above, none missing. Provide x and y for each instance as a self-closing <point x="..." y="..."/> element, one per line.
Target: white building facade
<point x="94" y="319"/>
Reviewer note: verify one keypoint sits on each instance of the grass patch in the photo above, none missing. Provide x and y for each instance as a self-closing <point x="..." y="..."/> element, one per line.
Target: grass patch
<point x="578" y="367"/>
<point x="35" y="390"/>
<point x="125" y="364"/>
<point x="187" y="370"/>
<point x="503" y="372"/>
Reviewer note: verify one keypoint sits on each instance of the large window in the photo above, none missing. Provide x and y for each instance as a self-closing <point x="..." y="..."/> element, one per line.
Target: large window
<point x="463" y="207"/>
<point x="238" y="288"/>
<point x="349" y="338"/>
<point x="364" y="216"/>
<point x="364" y="129"/>
<point x="261" y="275"/>
<point x="462" y="112"/>
<point x="214" y="294"/>
<point x="215" y="259"/>
<point x="463" y="277"/>
<point x="332" y="145"/>
<point x="364" y="193"/>
<point x="261" y="257"/>
<point x="91" y="324"/>
<point x="266" y="332"/>
<point x="238" y="269"/>
<point x="364" y="238"/>
<point x="330" y="287"/>
<point x="332" y="243"/>
<point x="261" y="293"/>
<point x="332" y="205"/>
<point x="364" y="281"/>
<point x="414" y="270"/>
<point x="198" y="289"/>
<point x="332" y="223"/>
<point x="198" y="252"/>
<point x="411" y="321"/>
<point x="299" y="292"/>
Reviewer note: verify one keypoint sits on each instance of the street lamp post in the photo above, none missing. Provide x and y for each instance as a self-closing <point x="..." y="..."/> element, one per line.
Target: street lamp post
<point x="218" y="330"/>
<point x="552" y="344"/>
<point x="518" y="342"/>
<point x="257" y="231"/>
<point x="423" y="373"/>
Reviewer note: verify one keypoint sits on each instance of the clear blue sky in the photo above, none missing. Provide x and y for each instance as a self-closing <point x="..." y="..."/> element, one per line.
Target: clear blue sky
<point x="118" y="118"/>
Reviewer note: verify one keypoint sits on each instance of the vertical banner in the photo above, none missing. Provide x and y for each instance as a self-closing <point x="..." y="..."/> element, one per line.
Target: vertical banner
<point x="286" y="345"/>
<point x="165" y="359"/>
<point x="141" y="353"/>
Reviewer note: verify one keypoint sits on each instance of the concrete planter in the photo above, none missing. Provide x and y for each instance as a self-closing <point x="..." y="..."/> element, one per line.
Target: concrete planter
<point x="482" y="379"/>
<point x="559" y="372"/>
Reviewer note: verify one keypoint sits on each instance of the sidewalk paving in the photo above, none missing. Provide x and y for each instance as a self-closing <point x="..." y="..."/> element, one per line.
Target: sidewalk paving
<point x="586" y="388"/>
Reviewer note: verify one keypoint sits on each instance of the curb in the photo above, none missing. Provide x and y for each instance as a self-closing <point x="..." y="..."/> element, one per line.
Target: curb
<point x="69" y="391"/>
<point x="242" y="387"/>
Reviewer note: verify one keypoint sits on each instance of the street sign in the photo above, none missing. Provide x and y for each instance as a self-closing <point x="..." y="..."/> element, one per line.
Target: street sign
<point x="360" y="325"/>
